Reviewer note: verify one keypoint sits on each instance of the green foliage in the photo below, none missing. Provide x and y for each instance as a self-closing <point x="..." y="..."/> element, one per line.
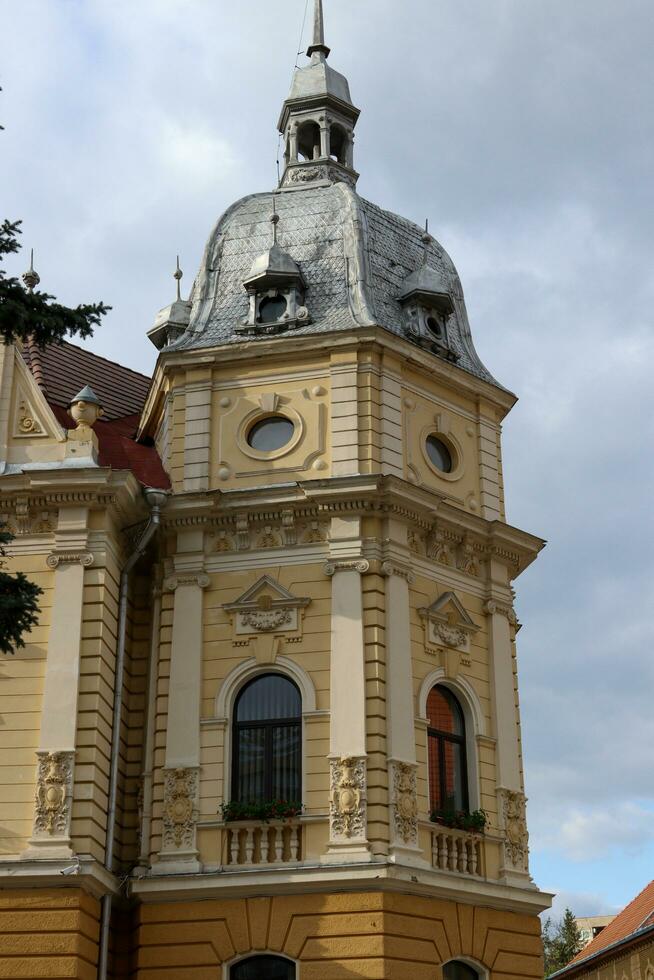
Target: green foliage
<point x="35" y="316"/>
<point x="270" y="810"/>
<point x="474" y="821"/>
<point x="561" y="942"/>
<point x="18" y="602"/>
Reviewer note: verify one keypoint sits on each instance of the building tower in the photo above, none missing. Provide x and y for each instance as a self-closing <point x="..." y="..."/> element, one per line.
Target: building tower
<point x="290" y="748"/>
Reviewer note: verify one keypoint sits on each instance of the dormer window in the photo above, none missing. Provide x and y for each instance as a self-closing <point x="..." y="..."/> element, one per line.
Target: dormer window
<point x="276" y="289"/>
<point x="428" y="307"/>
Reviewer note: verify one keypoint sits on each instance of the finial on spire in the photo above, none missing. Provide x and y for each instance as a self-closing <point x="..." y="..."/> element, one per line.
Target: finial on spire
<point x="318" y="47"/>
<point x="274" y="219"/>
<point x="426" y="239"/>
<point x="177" y="274"/>
<point x="31" y="278"/>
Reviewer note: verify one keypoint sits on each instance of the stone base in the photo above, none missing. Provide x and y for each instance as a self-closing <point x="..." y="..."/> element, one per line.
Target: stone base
<point x="48" y="849"/>
<point x="347" y="853"/>
<point x="177" y="863"/>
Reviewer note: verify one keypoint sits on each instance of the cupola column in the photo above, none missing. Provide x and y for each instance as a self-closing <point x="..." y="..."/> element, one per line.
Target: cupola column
<point x="324" y="139"/>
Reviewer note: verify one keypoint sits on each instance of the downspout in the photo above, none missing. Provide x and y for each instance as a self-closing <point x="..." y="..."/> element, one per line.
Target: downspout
<point x="155" y="500"/>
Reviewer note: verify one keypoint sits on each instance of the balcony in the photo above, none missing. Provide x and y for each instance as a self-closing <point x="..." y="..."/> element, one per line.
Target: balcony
<point x="457" y="851"/>
<point x="253" y="843"/>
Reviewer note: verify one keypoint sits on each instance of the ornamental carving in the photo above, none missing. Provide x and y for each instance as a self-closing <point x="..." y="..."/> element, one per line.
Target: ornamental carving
<point x="265" y="619"/>
<point x="467" y="560"/>
<point x="437" y="548"/>
<point x="54" y="788"/>
<point x="180" y="810"/>
<point x="447" y="623"/>
<point x="266" y="607"/>
<point x="493" y="608"/>
<point x="516" y="843"/>
<point x="405" y="802"/>
<point x="402" y="571"/>
<point x="347" y="805"/>
<point x="199" y="579"/>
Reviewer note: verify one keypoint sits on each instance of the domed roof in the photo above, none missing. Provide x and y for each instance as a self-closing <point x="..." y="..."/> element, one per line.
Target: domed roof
<point x="354" y="257"/>
<point x="318" y="80"/>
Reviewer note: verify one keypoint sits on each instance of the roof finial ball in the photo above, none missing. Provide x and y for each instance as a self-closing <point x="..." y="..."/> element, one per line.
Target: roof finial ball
<point x="31" y="278"/>
<point x="177" y="274"/>
<point x="85" y="408"/>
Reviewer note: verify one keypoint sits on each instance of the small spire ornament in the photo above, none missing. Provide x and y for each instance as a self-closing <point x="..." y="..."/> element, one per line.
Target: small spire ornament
<point x="31" y="278"/>
<point x="177" y="274"/>
<point x="274" y="220"/>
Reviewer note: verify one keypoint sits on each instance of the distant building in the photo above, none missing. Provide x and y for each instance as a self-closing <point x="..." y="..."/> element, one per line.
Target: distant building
<point x="591" y="926"/>
<point x="624" y="948"/>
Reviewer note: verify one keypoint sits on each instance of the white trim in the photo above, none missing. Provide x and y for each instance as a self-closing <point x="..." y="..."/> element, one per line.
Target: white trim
<point x="473" y="719"/>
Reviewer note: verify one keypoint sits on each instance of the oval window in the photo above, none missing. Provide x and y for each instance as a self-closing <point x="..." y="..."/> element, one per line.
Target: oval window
<point x="268" y="435"/>
<point x="272" y="309"/>
<point x="434" y="326"/>
<point x="439" y="455"/>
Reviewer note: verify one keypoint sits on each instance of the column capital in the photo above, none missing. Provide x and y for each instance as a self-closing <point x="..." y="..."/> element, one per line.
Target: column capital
<point x="494" y="608"/>
<point x="56" y="558"/>
<point x="400" y="569"/>
<point x="200" y="579"/>
<point x="361" y="565"/>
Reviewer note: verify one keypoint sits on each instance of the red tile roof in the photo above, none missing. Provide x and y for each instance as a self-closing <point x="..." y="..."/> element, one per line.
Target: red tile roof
<point x="61" y="370"/>
<point x="637" y="915"/>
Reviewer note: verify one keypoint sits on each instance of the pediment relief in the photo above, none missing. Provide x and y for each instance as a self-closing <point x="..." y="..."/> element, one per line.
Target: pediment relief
<point x="447" y="623"/>
<point x="267" y="607"/>
<point x="31" y="417"/>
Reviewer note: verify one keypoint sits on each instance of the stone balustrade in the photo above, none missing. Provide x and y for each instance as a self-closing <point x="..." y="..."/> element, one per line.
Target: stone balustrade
<point x="457" y="851"/>
<point x="253" y="842"/>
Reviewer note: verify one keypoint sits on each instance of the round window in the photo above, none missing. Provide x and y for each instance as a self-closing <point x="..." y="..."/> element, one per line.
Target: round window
<point x="272" y="309"/>
<point x="434" y="326"/>
<point x="439" y="455"/>
<point x="268" y="435"/>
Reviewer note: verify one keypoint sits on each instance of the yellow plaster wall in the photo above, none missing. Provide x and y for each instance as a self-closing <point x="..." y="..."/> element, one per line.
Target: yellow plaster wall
<point x="633" y="964"/>
<point x="21" y="694"/>
<point x="336" y="937"/>
<point x="48" y="933"/>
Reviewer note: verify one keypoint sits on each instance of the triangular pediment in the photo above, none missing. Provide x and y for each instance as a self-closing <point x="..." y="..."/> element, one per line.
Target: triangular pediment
<point x="31" y="416"/>
<point x="266" y="592"/>
<point x="448" y="608"/>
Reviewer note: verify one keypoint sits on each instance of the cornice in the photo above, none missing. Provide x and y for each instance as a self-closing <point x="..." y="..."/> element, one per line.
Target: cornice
<point x="96" y="489"/>
<point x="467" y="538"/>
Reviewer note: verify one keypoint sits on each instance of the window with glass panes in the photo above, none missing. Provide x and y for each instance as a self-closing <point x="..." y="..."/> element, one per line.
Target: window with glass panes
<point x="448" y="785"/>
<point x="267" y="747"/>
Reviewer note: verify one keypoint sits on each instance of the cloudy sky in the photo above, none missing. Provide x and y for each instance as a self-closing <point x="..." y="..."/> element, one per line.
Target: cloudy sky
<point x="524" y="130"/>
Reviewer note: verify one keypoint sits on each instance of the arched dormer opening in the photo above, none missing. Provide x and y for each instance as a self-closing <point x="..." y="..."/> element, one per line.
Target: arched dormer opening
<point x="308" y="141"/>
<point x="338" y="144"/>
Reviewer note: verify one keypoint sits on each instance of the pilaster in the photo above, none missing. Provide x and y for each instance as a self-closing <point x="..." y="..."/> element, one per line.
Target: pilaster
<point x="347" y="734"/>
<point x="187" y="581"/>
<point x="56" y="754"/>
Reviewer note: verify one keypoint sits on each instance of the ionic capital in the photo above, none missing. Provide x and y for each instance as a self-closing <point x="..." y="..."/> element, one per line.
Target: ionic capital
<point x="399" y="569"/>
<point x="56" y="558"/>
<point x="494" y="608"/>
<point x="199" y="579"/>
<point x="360" y="565"/>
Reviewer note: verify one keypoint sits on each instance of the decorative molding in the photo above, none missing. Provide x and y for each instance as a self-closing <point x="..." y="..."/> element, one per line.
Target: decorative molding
<point x="56" y="558"/>
<point x="347" y="805"/>
<point x="180" y="811"/>
<point x="397" y="568"/>
<point x="200" y="579"/>
<point x="513" y="811"/>
<point x="54" y="790"/>
<point x="447" y="623"/>
<point x="266" y="607"/>
<point x="360" y="565"/>
<point x="404" y="802"/>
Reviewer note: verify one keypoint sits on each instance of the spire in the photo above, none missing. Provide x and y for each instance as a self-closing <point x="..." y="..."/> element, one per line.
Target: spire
<point x="31" y="278"/>
<point x="318" y="48"/>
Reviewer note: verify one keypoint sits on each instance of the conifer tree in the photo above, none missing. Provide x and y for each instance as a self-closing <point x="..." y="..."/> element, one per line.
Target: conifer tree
<point x="561" y="942"/>
<point x="18" y="602"/>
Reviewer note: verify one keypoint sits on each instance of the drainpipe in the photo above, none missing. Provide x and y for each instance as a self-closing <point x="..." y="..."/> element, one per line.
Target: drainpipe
<point x="155" y="500"/>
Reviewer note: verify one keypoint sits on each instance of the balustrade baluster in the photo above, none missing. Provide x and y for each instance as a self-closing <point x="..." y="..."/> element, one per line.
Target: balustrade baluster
<point x="249" y="845"/>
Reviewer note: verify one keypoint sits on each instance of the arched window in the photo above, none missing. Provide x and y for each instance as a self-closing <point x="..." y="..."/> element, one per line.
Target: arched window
<point x="338" y="144"/>
<point x="456" y="970"/>
<point x="267" y="741"/>
<point x="448" y="785"/>
<point x="263" y="968"/>
<point x="308" y="141"/>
